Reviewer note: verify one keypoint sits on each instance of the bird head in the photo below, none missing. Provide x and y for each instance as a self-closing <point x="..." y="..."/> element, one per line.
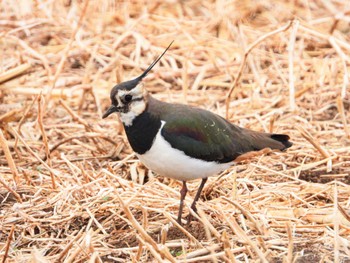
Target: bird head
<point x="129" y="98"/>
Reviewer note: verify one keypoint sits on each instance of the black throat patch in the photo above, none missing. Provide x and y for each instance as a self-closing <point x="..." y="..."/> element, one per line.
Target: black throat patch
<point x="142" y="132"/>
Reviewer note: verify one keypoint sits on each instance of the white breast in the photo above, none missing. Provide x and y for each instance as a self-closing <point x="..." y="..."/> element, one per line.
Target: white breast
<point x="173" y="163"/>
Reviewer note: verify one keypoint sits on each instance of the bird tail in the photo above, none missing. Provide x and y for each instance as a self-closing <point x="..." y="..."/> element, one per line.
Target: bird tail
<point x="283" y="139"/>
<point x="274" y="141"/>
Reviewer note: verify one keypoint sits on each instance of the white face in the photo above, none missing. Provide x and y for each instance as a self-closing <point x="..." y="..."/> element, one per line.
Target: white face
<point x="131" y="103"/>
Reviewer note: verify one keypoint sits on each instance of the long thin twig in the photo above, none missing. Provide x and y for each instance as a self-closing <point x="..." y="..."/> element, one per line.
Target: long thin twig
<point x="246" y="53"/>
<point x="290" y="243"/>
<point x="8" y="243"/>
<point x="36" y="156"/>
<point x="291" y="45"/>
<point x="313" y="141"/>
<point x="9" y="158"/>
<point x="342" y="113"/>
<point x="14" y="72"/>
<point x="45" y="140"/>
<point x="336" y="225"/>
<point x="147" y="240"/>
<point x="65" y="53"/>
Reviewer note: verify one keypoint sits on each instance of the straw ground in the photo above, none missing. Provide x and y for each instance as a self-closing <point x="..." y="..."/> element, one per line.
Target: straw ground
<point x="71" y="190"/>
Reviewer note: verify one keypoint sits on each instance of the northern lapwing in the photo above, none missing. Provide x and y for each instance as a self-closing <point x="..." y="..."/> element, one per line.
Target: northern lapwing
<point x="180" y="141"/>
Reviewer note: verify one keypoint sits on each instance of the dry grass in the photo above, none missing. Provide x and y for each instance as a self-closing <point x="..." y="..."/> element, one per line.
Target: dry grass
<point x="71" y="189"/>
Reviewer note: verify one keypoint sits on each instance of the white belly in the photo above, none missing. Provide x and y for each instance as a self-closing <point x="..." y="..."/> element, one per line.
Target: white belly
<point x="173" y="163"/>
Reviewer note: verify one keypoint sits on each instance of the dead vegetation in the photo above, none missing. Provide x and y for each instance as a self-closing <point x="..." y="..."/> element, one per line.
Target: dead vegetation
<point x="71" y="189"/>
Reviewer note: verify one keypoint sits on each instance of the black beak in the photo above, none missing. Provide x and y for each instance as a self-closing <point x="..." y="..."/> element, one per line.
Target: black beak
<point x="110" y="110"/>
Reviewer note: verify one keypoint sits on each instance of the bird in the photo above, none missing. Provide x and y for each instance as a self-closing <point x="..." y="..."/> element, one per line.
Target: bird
<point x="180" y="141"/>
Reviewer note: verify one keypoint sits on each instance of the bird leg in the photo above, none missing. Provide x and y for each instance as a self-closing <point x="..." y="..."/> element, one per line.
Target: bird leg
<point x="183" y="193"/>
<point x="198" y="194"/>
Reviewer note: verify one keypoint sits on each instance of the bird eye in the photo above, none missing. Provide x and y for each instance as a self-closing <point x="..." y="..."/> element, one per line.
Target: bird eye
<point x="128" y="98"/>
